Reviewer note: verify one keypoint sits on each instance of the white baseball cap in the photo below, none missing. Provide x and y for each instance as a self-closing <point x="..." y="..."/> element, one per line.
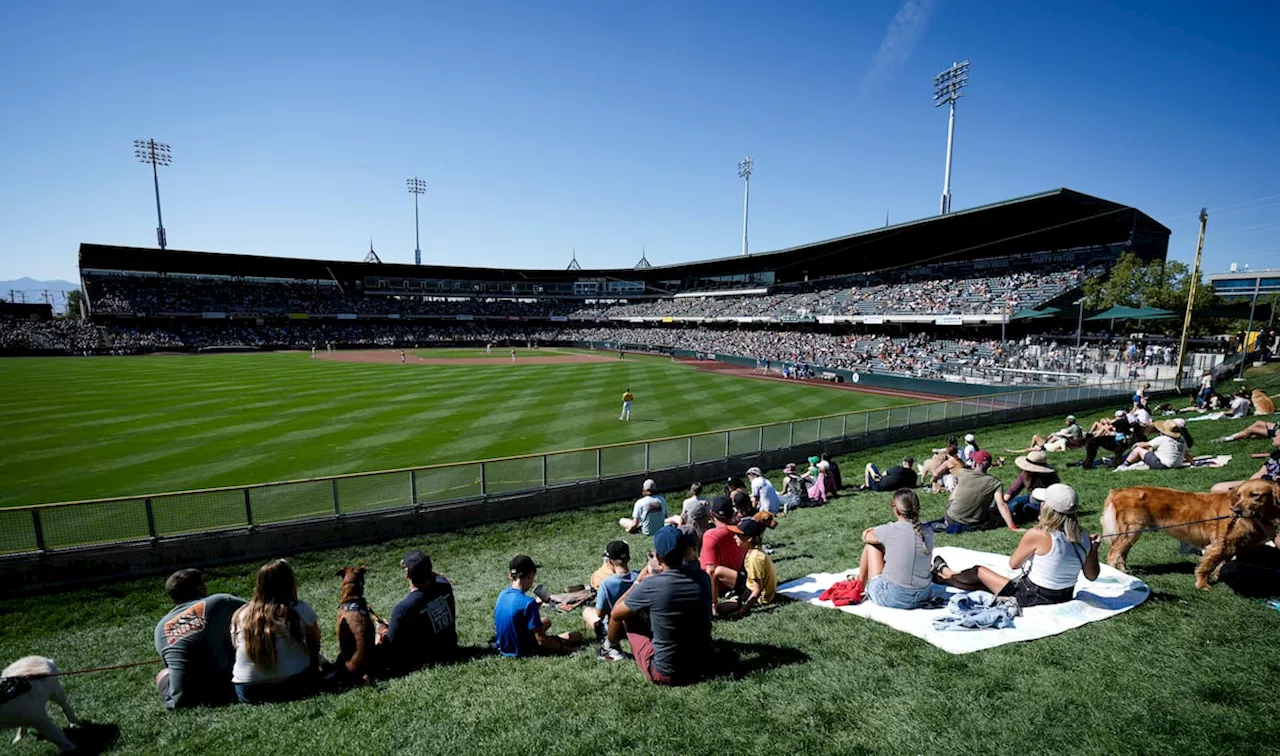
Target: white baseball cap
<point x="650" y="486"/>
<point x="753" y="471"/>
<point x="968" y="438"/>
<point x="1119" y="413"/>
<point x="1059" y="497"/>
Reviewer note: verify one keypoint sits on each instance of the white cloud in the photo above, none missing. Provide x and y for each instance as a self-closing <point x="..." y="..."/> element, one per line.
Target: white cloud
<point x="900" y="40"/>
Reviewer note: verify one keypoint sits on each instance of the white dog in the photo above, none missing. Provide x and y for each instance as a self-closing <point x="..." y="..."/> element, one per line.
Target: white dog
<point x="28" y="708"/>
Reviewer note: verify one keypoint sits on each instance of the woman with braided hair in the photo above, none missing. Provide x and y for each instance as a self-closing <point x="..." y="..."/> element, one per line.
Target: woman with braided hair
<point x="897" y="559"/>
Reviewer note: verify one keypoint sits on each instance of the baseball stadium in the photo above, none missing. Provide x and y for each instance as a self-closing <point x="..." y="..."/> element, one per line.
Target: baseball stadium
<point x="214" y="411"/>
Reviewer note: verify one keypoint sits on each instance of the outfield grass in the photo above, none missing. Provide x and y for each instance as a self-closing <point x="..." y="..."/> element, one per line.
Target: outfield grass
<point x="1188" y="671"/>
<point x="79" y="428"/>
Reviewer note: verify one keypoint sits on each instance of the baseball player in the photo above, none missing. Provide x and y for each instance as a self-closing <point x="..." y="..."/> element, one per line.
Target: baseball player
<point x="626" y="405"/>
<point x="401" y="356"/>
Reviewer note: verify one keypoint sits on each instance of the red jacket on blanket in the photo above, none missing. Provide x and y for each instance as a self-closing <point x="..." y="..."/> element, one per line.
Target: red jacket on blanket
<point x="845" y="592"/>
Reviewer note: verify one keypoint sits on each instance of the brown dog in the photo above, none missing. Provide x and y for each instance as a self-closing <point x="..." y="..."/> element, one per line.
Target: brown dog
<point x="1250" y="515"/>
<point x="1262" y="404"/>
<point x="356" y="630"/>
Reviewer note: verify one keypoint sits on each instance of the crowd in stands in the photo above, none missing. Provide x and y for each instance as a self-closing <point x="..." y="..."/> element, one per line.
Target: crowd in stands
<point x="63" y="335"/>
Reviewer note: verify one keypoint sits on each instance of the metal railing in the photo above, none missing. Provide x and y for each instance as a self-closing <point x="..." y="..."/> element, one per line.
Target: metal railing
<point x="153" y="517"/>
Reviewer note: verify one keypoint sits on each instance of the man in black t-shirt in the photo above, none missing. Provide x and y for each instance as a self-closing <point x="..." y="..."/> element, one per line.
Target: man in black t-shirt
<point x="423" y="625"/>
<point x="903" y="476"/>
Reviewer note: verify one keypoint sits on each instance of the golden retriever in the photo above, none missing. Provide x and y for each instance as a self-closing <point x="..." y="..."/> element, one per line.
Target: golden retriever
<point x="1262" y="404"/>
<point x="1255" y="504"/>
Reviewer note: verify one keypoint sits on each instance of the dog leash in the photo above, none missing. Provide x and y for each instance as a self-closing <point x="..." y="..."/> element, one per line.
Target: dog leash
<point x="91" y="669"/>
<point x="1154" y="528"/>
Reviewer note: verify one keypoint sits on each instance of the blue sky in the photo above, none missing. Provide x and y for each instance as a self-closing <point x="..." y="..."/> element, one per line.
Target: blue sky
<point x="541" y="127"/>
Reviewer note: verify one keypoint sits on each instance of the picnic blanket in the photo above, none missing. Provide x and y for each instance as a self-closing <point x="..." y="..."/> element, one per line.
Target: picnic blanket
<point x="1207" y="460"/>
<point x="1112" y="593"/>
<point x="1210" y="416"/>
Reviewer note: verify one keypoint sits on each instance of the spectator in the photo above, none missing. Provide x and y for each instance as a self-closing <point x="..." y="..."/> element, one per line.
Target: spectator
<point x="968" y="450"/>
<point x="1034" y="471"/>
<point x="895" y="563"/>
<point x="762" y="576"/>
<point x="837" y="480"/>
<point x="1164" y="452"/>
<point x="795" y="492"/>
<point x="1053" y="553"/>
<point x="618" y="555"/>
<point x="520" y="629"/>
<point x="423" y="627"/>
<point x="828" y="478"/>
<point x="940" y="470"/>
<point x="277" y="640"/>
<point x="649" y="513"/>
<point x="666" y="617"/>
<point x="764" y="496"/>
<point x="1259" y="429"/>
<point x="903" y="476"/>
<point x="1240" y="404"/>
<point x="721" y="558"/>
<point x="694" y="512"/>
<point x="977" y="503"/>
<point x="194" y="640"/>
<point x="1270" y="470"/>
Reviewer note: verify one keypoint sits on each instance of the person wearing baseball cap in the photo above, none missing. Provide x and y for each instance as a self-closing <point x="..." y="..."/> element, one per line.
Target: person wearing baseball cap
<point x="721" y="557"/>
<point x="977" y="502"/>
<point x="618" y="556"/>
<point x="967" y="451"/>
<point x="520" y="629"/>
<point x="762" y="576"/>
<point x="764" y="496"/>
<point x="423" y="626"/>
<point x="649" y="513"/>
<point x="666" y="616"/>
<point x="1052" y="555"/>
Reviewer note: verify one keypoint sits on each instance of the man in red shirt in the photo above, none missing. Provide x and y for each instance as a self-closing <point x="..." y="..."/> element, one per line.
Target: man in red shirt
<point x="721" y="556"/>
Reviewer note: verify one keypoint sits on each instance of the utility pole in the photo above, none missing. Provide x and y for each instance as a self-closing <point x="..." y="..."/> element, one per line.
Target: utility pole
<point x="1080" y="323"/>
<point x="1244" y="345"/>
<point x="157" y="154"/>
<point x="947" y="88"/>
<point x="1191" y="300"/>
<point x="416" y="186"/>
<point x="744" y="171"/>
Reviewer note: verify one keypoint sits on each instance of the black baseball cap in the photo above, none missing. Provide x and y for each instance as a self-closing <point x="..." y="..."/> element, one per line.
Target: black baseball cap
<point x="747" y="527"/>
<point x="417" y="565"/>
<point x="619" y="550"/>
<point x="723" y="508"/>
<point x="522" y="565"/>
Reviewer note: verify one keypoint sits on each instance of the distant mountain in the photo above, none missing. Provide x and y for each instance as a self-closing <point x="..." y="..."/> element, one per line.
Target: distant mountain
<point x="31" y="290"/>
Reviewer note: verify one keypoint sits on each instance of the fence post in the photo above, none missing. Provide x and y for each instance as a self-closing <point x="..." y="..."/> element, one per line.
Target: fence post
<point x="37" y="529"/>
<point x="844" y="426"/>
<point x="908" y="415"/>
<point x="927" y="410"/>
<point x="151" y="520"/>
<point x="726" y="444"/>
<point x="334" y="485"/>
<point x="866" y="423"/>
<point x="689" y="451"/>
<point x="599" y="469"/>
<point x="248" y="510"/>
<point x="544" y="465"/>
<point x="946" y="408"/>
<point x="760" y="442"/>
<point x="413" y="488"/>
<point x="484" y="485"/>
<point x="646" y="458"/>
<point x="791" y="434"/>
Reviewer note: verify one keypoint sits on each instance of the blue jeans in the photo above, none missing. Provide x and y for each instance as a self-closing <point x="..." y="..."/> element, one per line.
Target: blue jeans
<point x="1023" y="509"/>
<point x="892" y="596"/>
<point x="289" y="689"/>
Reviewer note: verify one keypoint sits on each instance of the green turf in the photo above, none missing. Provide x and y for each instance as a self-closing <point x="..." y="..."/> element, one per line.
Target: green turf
<point x="1186" y="672"/>
<point x="113" y="426"/>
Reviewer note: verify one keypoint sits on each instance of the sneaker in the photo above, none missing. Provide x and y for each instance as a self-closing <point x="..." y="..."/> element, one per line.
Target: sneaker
<point x="599" y="629"/>
<point x="609" y="653"/>
<point x="766" y="549"/>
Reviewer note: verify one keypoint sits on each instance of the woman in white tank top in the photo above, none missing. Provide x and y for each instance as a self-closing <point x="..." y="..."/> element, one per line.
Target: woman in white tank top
<point x="1052" y="555"/>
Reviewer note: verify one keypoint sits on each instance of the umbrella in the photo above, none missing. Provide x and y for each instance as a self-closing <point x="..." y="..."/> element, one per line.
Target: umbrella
<point x="1120" y="312"/>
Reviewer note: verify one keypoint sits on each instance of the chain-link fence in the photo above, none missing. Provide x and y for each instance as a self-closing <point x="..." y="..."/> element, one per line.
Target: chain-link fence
<point x="69" y="525"/>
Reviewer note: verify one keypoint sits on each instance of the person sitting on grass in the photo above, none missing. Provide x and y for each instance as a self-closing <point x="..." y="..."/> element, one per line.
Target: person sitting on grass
<point x="1259" y="429"/>
<point x="1114" y="435"/>
<point x="764" y="497"/>
<point x="969" y="449"/>
<point x="828" y="479"/>
<point x="423" y="627"/>
<point x="940" y="470"/>
<point x="666" y="617"/>
<point x="903" y="476"/>
<point x="277" y="640"/>
<point x="1070" y="436"/>
<point x="895" y="563"/>
<point x="1240" y="405"/>
<point x="649" y="513"/>
<point x="1034" y="471"/>
<point x="977" y="503"/>
<point x="837" y="481"/>
<point x="1051" y="555"/>
<point x="795" y="491"/>
<point x="1270" y="470"/>
<point x="762" y="576"/>
<point x="1166" y="451"/>
<point x="194" y="641"/>
<point x="721" y="557"/>
<point x="612" y="588"/>
<point x="694" y="511"/>
<point x="520" y="629"/>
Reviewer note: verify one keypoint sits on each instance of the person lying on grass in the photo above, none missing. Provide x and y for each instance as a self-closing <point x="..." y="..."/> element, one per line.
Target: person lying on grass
<point x="520" y="629"/>
<point x="762" y="576"/>
<point x="666" y="616"/>
<point x="1259" y="429"/>
<point x="1051" y="556"/>
<point x="1070" y="436"/>
<point x="277" y="640"/>
<point x="895" y="562"/>
<point x="618" y="556"/>
<point x="903" y="476"/>
<point x="1270" y="470"/>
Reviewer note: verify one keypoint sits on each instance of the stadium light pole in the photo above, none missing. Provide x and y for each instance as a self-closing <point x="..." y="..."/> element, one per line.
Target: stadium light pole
<point x="416" y="186"/>
<point x="744" y="171"/>
<point x="157" y="154"/>
<point x="947" y="88"/>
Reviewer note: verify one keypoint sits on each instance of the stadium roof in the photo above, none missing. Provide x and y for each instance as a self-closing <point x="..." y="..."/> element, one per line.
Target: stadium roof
<point x="1060" y="219"/>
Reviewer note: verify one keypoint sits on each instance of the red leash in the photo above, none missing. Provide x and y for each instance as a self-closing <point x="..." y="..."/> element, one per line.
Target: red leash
<point x="91" y="669"/>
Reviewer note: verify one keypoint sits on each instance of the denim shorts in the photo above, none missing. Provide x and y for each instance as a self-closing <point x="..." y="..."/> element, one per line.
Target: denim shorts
<point x="892" y="596"/>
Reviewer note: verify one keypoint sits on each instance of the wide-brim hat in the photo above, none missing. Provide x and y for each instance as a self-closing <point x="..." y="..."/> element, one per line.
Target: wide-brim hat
<point x="1035" y="462"/>
<point x="1168" y="428"/>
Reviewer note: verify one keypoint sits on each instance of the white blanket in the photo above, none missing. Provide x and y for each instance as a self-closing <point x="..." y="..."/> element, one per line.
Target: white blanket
<point x="1113" y="592"/>
<point x="1221" y="460"/>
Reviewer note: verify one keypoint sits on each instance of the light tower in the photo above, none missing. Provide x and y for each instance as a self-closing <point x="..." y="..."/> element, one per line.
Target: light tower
<point x="416" y="186"/>
<point x="157" y="154"/>
<point x="947" y="88"/>
<point x="744" y="171"/>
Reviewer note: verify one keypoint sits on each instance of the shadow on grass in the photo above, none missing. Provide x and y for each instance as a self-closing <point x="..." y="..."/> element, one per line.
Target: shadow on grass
<point x="738" y="661"/>
<point x="794" y="556"/>
<point x="93" y="737"/>
<point x="1171" y="568"/>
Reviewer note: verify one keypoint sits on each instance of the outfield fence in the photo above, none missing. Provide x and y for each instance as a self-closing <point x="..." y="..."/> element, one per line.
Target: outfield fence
<point x="183" y="514"/>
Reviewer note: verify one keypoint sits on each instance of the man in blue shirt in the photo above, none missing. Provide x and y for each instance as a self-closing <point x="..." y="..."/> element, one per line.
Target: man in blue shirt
<point x="612" y="588"/>
<point x="520" y="630"/>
